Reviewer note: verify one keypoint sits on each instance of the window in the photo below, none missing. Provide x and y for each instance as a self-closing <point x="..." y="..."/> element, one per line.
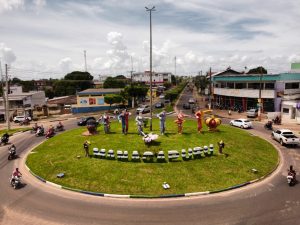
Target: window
<point x="223" y="85"/>
<point x="269" y="86"/>
<point x="285" y="110"/>
<point x="292" y="85"/>
<point x="240" y="85"/>
<point x="254" y="85"/>
<point x="230" y="85"/>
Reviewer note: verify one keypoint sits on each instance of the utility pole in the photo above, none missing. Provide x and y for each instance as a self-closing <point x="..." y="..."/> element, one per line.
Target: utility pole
<point x="209" y="97"/>
<point x="85" y="65"/>
<point x="175" y="70"/>
<point x="3" y="89"/>
<point x="150" y="11"/>
<point x="6" y="96"/>
<point x="259" y="94"/>
<point x="131" y="81"/>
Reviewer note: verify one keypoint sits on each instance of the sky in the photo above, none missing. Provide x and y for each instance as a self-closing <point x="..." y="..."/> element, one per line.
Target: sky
<point x="47" y="38"/>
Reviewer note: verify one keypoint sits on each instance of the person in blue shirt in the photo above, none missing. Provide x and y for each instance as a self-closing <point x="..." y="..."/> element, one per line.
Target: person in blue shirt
<point x="122" y="119"/>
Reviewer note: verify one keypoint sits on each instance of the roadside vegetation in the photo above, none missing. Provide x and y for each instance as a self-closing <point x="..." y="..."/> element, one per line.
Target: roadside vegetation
<point x="64" y="154"/>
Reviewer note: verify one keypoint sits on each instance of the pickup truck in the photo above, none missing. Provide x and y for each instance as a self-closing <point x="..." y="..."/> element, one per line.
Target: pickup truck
<point x="285" y="137"/>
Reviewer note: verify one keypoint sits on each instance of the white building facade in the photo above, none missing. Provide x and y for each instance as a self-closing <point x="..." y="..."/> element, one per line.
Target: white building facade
<point x="158" y="78"/>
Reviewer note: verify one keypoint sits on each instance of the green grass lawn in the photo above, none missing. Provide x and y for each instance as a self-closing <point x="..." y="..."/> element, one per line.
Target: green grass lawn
<point x="12" y="131"/>
<point x="243" y="152"/>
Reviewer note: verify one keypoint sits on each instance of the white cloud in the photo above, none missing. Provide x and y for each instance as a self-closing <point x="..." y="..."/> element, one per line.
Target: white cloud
<point x="66" y="65"/>
<point x="8" y="5"/>
<point x="7" y="54"/>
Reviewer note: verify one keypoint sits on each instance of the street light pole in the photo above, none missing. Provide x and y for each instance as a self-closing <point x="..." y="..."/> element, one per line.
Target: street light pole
<point x="259" y="94"/>
<point x="150" y="11"/>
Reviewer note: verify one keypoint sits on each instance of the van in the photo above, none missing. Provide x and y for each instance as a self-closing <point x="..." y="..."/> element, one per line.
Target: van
<point x="252" y="113"/>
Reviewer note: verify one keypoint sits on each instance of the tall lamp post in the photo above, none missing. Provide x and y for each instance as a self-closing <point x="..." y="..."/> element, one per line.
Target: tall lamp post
<point x="259" y="94"/>
<point x="150" y="11"/>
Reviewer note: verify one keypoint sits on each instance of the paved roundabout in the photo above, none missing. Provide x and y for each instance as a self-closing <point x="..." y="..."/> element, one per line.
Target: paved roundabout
<point x="270" y="201"/>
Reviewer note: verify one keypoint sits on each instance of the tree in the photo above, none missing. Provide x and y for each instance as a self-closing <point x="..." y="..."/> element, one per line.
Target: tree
<point x="167" y="85"/>
<point x="201" y="83"/>
<point x="112" y="82"/>
<point x="173" y="79"/>
<point x="70" y="87"/>
<point x="258" y="70"/>
<point x="78" y="75"/>
<point x="136" y="91"/>
<point x="112" y="99"/>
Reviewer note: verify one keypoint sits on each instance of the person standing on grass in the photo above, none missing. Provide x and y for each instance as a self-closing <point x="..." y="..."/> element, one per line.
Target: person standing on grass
<point x="162" y="121"/>
<point x="122" y="119"/>
<point x="198" y="115"/>
<point x="86" y="148"/>
<point x="140" y="123"/>
<point x="127" y="114"/>
<point x="179" y="121"/>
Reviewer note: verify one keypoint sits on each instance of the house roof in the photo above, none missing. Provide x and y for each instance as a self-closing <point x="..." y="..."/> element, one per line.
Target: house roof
<point x="100" y="91"/>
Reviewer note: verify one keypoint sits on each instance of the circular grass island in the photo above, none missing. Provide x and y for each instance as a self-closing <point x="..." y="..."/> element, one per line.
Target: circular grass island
<point x="242" y="153"/>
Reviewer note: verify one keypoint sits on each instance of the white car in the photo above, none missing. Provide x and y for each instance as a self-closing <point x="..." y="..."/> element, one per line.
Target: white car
<point x="285" y="137"/>
<point x="143" y="109"/>
<point x="242" y="123"/>
<point x="18" y="119"/>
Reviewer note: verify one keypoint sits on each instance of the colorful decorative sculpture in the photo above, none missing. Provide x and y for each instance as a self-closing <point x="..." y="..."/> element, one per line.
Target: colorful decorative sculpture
<point x="213" y="123"/>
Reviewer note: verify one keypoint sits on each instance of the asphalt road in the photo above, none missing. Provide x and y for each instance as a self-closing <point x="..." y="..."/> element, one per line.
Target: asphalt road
<point x="270" y="201"/>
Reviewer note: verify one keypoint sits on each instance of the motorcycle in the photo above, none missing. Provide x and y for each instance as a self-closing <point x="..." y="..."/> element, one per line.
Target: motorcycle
<point x="12" y="153"/>
<point x="4" y="140"/>
<point x="291" y="178"/>
<point x="59" y="128"/>
<point x="50" y="134"/>
<point x="277" y="120"/>
<point x="25" y="123"/>
<point x="269" y="125"/>
<point x="15" y="182"/>
<point x="39" y="132"/>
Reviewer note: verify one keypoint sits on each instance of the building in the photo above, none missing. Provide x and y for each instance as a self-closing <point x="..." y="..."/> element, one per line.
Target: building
<point x="61" y="104"/>
<point x="279" y="92"/>
<point x="23" y="103"/>
<point x="158" y="78"/>
<point x="43" y="84"/>
<point x="92" y="100"/>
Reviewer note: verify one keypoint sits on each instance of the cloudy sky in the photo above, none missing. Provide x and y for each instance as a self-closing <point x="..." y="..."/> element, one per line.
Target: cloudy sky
<point x="47" y="38"/>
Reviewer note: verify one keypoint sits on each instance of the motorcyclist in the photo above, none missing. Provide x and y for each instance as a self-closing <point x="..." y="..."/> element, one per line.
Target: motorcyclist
<point x="292" y="172"/>
<point x="50" y="131"/>
<point x="35" y="127"/>
<point x="15" y="174"/>
<point x="40" y="130"/>
<point x="13" y="149"/>
<point x="5" y="136"/>
<point x="269" y="124"/>
<point x="59" y="125"/>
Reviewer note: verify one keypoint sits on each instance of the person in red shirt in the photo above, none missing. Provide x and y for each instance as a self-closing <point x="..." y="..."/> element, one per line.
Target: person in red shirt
<point x="198" y="115"/>
<point x="126" y="114"/>
<point x="179" y="121"/>
<point x="17" y="173"/>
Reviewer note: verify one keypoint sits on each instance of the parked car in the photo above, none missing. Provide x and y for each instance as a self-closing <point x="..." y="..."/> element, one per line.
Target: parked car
<point x="143" y="109"/>
<point x="18" y="119"/>
<point x="83" y="120"/>
<point x="192" y="101"/>
<point x="186" y="106"/>
<point x="252" y="113"/>
<point x="285" y="137"/>
<point x="161" y="96"/>
<point x="159" y="105"/>
<point x="242" y="123"/>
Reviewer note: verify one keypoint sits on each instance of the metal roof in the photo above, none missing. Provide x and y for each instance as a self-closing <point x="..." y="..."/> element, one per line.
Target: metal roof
<point x="100" y="91"/>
